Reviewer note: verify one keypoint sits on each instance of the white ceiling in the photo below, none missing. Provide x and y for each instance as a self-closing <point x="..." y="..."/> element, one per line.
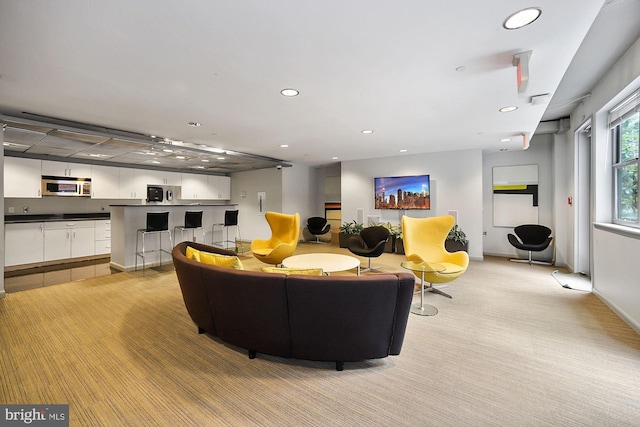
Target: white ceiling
<point x="152" y="67"/>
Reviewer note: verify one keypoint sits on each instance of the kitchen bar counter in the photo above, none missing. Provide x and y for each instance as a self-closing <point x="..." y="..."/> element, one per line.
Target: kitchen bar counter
<point x="127" y="219"/>
<point x="16" y="219"/>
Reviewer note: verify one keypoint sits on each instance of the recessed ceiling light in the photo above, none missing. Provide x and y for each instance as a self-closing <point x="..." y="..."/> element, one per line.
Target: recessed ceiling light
<point x="334" y="158"/>
<point x="180" y="157"/>
<point x="220" y="158"/>
<point x="155" y="162"/>
<point x="194" y="124"/>
<point x="289" y="92"/>
<point x="167" y="150"/>
<point x="505" y="140"/>
<point x="284" y="145"/>
<point x="404" y="150"/>
<point x="508" y="109"/>
<point x="367" y="131"/>
<point x="522" y="18"/>
<point x="205" y="160"/>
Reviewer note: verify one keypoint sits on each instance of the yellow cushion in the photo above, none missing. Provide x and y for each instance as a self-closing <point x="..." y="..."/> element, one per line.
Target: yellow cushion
<point x="214" y="259"/>
<point x="285" y="270"/>
<point x="193" y="254"/>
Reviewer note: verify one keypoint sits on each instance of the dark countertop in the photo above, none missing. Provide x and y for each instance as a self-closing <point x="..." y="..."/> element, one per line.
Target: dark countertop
<point x="174" y="205"/>
<point x="9" y="219"/>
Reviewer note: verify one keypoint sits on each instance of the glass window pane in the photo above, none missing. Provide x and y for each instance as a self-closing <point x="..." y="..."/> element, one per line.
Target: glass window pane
<point x="629" y="138"/>
<point x="627" y="185"/>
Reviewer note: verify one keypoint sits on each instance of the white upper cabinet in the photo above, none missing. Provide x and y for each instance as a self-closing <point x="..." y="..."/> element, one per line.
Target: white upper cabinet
<point x="155" y="177"/>
<point x="76" y="170"/>
<point x="219" y="187"/>
<point x="195" y="187"/>
<point x="105" y="182"/>
<point x="133" y="183"/>
<point x="170" y="178"/>
<point x="22" y="177"/>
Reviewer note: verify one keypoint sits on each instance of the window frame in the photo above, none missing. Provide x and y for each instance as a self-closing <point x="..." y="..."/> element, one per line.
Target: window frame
<point x="617" y="116"/>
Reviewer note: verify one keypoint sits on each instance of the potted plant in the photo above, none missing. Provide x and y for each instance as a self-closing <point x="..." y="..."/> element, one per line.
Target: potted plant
<point x="347" y="230"/>
<point x="456" y="240"/>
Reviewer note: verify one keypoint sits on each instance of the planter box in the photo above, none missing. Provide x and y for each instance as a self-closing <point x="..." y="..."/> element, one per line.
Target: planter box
<point x="453" y="246"/>
<point x="343" y="238"/>
<point x="390" y="246"/>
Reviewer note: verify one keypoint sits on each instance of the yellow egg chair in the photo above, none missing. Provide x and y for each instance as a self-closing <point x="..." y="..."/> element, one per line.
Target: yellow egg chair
<point x="285" y="230"/>
<point x="424" y="244"/>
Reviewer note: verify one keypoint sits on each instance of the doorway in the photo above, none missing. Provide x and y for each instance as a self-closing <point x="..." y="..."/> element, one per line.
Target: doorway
<point x="582" y="206"/>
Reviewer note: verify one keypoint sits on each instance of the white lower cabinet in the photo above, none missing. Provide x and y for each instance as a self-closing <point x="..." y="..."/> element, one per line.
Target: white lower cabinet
<point x="103" y="237"/>
<point x="23" y="243"/>
<point x="68" y="239"/>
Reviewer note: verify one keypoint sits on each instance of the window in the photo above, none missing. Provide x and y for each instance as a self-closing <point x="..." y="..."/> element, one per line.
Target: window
<point x="624" y="124"/>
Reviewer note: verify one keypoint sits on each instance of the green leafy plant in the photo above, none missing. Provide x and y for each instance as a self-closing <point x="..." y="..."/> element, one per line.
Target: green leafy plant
<point x="394" y="230"/>
<point x="352" y="227"/>
<point x="457" y="235"/>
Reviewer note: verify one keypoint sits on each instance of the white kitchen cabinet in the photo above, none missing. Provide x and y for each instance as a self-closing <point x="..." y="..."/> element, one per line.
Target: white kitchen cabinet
<point x="76" y="170"/>
<point x="219" y="187"/>
<point x="133" y="183"/>
<point x="22" y="177"/>
<point x="105" y="182"/>
<point x="68" y="239"/>
<point x="102" y="237"/>
<point x="23" y="243"/>
<point x="164" y="178"/>
<point x="195" y="187"/>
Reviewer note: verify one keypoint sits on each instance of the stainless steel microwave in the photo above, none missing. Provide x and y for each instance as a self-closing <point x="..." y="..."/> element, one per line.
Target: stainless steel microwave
<point x="65" y="186"/>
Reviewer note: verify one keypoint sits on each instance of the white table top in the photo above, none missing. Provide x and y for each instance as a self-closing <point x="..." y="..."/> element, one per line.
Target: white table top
<point x="328" y="262"/>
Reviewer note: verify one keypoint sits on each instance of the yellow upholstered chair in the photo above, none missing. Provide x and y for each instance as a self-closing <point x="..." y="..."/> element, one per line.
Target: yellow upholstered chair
<point x="424" y="243"/>
<point x="285" y="230"/>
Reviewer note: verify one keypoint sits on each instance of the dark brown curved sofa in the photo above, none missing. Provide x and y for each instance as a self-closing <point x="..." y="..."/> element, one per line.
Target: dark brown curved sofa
<point x="324" y="318"/>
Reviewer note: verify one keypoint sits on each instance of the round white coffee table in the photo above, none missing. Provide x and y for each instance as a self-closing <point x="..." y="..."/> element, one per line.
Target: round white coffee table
<point x="329" y="263"/>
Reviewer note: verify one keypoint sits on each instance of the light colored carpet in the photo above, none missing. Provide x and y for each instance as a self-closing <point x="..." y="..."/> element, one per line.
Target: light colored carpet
<point x="512" y="348"/>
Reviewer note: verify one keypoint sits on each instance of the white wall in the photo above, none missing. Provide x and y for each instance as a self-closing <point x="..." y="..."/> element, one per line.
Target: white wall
<point x="456" y="184"/>
<point x="540" y="153"/>
<point x="288" y="190"/>
<point x="615" y="276"/>
<point x="244" y="192"/>
<point x="615" y="269"/>
<point x="299" y="192"/>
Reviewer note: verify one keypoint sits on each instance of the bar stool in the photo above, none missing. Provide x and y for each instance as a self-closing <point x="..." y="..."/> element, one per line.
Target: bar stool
<point x="230" y="220"/>
<point x="192" y="221"/>
<point x="157" y="223"/>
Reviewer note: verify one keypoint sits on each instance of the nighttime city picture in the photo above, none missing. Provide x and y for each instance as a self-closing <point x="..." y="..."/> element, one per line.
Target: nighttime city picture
<point x="402" y="192"/>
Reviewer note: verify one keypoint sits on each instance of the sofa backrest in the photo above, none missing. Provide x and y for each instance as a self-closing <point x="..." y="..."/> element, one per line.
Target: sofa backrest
<point x="308" y="317"/>
<point x="189" y="274"/>
<point x="348" y="317"/>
